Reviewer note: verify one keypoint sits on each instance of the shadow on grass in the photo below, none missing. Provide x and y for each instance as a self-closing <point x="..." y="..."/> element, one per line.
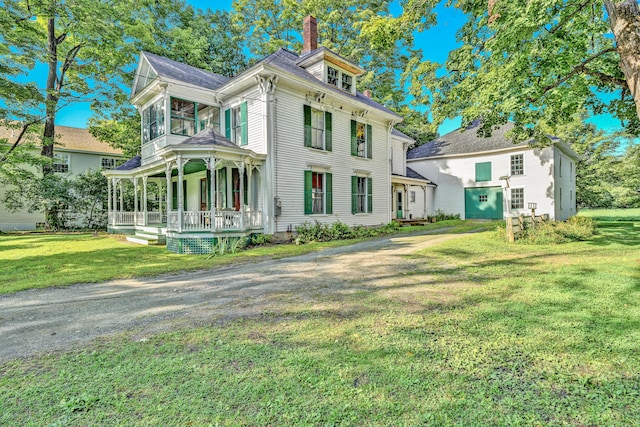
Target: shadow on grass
<point x="617" y="232"/>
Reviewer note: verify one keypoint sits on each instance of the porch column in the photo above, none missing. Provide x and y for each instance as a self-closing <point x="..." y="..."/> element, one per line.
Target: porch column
<point x="121" y="196"/>
<point x="250" y="194"/>
<point x="211" y="165"/>
<point x="109" y="210"/>
<point x="242" y="207"/>
<point x="180" y="192"/>
<point x="135" y="200"/>
<point x="159" y="192"/>
<point x="145" y="180"/>
<point x="424" y="190"/>
<point x="229" y="199"/>
<point x="406" y="202"/>
<point x="167" y="174"/>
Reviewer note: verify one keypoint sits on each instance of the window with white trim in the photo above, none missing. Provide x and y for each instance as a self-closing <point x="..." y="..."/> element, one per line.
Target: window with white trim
<point x="361" y="197"/>
<point x="517" y="164"/>
<point x="317" y="128"/>
<point x="236" y="125"/>
<point x="110" y="162"/>
<point x="339" y="79"/>
<point x="517" y="198"/>
<point x="318" y="198"/>
<point x="412" y="196"/>
<point x="61" y="162"/>
<point x="153" y="121"/>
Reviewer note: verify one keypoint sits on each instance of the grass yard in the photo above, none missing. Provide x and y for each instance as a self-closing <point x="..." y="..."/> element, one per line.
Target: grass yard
<point x="480" y="332"/>
<point x="29" y="261"/>
<point x="611" y="214"/>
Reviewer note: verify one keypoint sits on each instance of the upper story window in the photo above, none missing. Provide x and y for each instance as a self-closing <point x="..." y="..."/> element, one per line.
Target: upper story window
<point x="153" y="121"/>
<point x="317" y="128"/>
<point x="517" y="198"/>
<point x="61" y="162"/>
<point x="188" y="117"/>
<point x="361" y="139"/>
<point x="517" y="164"/>
<point x="183" y="117"/>
<point x="339" y="79"/>
<point x="236" y="126"/>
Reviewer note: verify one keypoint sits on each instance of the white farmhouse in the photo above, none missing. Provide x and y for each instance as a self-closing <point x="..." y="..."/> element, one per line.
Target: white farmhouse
<point x="287" y="141"/>
<point x="493" y="178"/>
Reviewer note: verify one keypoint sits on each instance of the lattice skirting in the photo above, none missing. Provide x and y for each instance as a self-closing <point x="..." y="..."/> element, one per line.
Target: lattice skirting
<point x="191" y="245"/>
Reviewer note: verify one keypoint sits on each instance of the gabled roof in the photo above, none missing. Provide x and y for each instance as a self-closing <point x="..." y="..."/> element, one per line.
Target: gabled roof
<point x="466" y="141"/>
<point x="130" y="164"/>
<point x="287" y="61"/>
<point x="165" y="67"/>
<point x="413" y="174"/>
<point x="323" y="53"/>
<point x="396" y="132"/>
<point x="208" y="136"/>
<point x="72" y="139"/>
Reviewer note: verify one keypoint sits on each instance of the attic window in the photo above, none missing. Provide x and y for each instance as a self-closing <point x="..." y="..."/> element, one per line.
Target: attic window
<point x="347" y="82"/>
<point x="332" y="76"/>
<point x="339" y="79"/>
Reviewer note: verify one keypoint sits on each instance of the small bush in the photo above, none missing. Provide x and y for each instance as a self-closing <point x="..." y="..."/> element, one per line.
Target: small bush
<point x="442" y="216"/>
<point x="317" y="232"/>
<point x="554" y="232"/>
<point x="260" y="239"/>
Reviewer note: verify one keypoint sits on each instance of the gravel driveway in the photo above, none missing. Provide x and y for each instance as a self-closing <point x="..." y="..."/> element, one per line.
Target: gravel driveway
<point x="53" y="319"/>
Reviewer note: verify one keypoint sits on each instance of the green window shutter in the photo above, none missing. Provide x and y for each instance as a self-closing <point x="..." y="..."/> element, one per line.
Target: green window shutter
<point x="244" y="123"/>
<point x="369" y="195"/>
<point x="308" y="208"/>
<point x="174" y="195"/>
<point x="227" y="123"/>
<point x="307" y="126"/>
<point x="184" y="195"/>
<point x="369" y="141"/>
<point x="327" y="130"/>
<point x="354" y="194"/>
<point x="483" y="171"/>
<point x="354" y="143"/>
<point x="328" y="182"/>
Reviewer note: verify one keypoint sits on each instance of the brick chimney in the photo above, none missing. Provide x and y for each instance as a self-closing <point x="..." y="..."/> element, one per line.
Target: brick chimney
<point x="309" y="34"/>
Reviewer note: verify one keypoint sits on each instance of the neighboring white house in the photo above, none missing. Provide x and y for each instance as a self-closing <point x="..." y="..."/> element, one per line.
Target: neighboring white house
<point x="287" y="141"/>
<point x="75" y="152"/>
<point x="493" y="178"/>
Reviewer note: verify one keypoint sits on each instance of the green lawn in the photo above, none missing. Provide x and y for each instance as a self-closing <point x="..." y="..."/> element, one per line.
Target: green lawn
<point x="479" y="333"/>
<point x="40" y="260"/>
<point x="612" y="214"/>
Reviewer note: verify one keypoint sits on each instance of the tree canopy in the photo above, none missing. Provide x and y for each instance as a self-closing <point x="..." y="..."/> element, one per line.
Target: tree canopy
<point x="534" y="62"/>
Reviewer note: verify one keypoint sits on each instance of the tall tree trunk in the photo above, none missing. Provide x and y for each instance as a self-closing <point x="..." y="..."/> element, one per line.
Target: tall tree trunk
<point x="51" y="105"/>
<point x="624" y="19"/>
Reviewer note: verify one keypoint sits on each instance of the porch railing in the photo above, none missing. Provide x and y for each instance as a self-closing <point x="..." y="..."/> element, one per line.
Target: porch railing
<point x="154" y="217"/>
<point x="224" y="220"/>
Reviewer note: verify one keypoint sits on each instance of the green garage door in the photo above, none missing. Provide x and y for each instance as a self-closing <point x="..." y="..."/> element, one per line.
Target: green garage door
<point x="485" y="203"/>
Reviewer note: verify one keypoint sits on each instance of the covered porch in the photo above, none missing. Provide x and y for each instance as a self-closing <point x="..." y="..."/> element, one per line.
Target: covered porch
<point x="203" y="188"/>
<point x="410" y="196"/>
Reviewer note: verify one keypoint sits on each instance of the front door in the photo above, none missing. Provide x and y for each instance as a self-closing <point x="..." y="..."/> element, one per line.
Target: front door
<point x="399" y="205"/>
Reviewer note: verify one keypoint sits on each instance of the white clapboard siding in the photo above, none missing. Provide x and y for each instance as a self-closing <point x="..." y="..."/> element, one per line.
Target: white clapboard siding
<point x="292" y="158"/>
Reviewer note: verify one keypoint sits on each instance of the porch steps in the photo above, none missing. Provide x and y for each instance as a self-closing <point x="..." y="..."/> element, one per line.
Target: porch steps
<point x="146" y="238"/>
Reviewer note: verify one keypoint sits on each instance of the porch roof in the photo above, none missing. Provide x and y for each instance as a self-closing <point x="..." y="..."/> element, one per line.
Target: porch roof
<point x="209" y="136"/>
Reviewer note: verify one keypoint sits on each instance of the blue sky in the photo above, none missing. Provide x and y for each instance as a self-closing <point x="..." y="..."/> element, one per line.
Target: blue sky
<point x="435" y="44"/>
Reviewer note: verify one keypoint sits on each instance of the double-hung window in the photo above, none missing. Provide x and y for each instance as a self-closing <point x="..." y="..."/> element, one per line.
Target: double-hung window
<point x="361" y="139"/>
<point x="318" y="198"/>
<point x="317" y="128"/>
<point x="517" y="164"/>
<point x="61" y="162"/>
<point x="361" y="195"/>
<point x="110" y="162"/>
<point x="517" y="198"/>
<point x="153" y="121"/>
<point x="236" y="124"/>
